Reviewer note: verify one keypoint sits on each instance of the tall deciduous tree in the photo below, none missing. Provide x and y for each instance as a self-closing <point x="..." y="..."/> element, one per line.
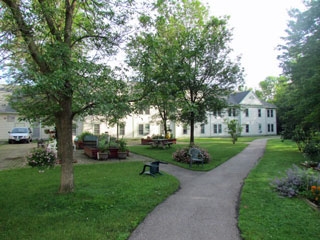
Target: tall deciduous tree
<point x="187" y="53"/>
<point x="300" y="62"/>
<point x="52" y="49"/>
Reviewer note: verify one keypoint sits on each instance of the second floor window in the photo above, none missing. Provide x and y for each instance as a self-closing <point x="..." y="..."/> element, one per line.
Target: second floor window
<point x="269" y="112"/>
<point x="246" y="112"/>
<point x="232" y="112"/>
<point x="259" y="112"/>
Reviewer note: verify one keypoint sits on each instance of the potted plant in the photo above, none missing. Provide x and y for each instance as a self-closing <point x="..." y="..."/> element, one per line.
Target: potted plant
<point x="103" y="151"/>
<point x="123" y="150"/>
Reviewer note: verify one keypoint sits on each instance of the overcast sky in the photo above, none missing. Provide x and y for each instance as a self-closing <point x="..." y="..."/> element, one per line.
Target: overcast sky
<point x="257" y="26"/>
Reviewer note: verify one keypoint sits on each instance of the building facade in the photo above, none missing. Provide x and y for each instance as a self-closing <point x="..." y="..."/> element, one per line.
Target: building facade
<point x="256" y="117"/>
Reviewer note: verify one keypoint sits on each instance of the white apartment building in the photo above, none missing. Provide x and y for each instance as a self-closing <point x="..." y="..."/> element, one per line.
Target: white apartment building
<point x="256" y="117"/>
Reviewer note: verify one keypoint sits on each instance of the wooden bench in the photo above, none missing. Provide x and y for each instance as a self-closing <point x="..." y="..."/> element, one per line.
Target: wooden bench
<point x="161" y="143"/>
<point x="90" y="144"/>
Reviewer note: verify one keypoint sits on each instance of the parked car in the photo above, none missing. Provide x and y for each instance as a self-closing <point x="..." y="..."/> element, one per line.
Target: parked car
<point x="20" y="134"/>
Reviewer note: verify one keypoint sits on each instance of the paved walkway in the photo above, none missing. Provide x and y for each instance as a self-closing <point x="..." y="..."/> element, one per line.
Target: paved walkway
<point x="205" y="208"/>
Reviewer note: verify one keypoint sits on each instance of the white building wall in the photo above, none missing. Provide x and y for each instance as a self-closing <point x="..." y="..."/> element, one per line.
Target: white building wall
<point x="215" y="127"/>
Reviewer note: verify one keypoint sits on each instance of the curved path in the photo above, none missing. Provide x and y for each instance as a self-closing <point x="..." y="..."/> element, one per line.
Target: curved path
<point x="205" y="208"/>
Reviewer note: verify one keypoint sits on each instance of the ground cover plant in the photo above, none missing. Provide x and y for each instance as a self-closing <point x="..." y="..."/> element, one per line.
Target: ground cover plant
<point x="219" y="149"/>
<point x="264" y="214"/>
<point x="110" y="200"/>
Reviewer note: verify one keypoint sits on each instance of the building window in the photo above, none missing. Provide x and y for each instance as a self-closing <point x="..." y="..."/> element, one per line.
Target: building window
<point x="145" y="111"/>
<point x="232" y="112"/>
<point x="260" y="128"/>
<point x="217" y="113"/>
<point x="246" y="112"/>
<point x="144" y="129"/>
<point x="147" y="128"/>
<point x="247" y="128"/>
<point x="270" y="113"/>
<point x="217" y="128"/>
<point x="185" y="130"/>
<point x="202" y="128"/>
<point x="259" y="112"/>
<point x="74" y="129"/>
<point x="122" y="129"/>
<point x="10" y="118"/>
<point x="270" y="128"/>
<point x="96" y="129"/>
<point x="140" y="129"/>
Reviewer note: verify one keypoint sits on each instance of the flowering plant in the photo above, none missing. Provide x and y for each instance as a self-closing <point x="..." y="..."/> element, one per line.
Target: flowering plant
<point x="41" y="158"/>
<point x="182" y="155"/>
<point x="315" y="194"/>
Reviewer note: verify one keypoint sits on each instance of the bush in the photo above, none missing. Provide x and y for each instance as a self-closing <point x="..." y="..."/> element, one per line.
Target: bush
<point x="296" y="182"/>
<point x="182" y="155"/>
<point x="41" y="158"/>
<point x="312" y="151"/>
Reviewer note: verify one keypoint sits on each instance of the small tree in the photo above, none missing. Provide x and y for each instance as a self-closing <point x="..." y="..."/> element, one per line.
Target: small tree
<point x="234" y="129"/>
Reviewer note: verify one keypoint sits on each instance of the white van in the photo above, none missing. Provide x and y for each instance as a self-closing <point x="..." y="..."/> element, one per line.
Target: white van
<point x="20" y="134"/>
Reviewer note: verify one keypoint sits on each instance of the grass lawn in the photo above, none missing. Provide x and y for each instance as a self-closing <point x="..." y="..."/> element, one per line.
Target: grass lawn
<point x="109" y="202"/>
<point x="263" y="213"/>
<point x="220" y="150"/>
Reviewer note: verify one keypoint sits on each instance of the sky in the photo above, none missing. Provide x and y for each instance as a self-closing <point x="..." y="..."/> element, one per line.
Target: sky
<point x="258" y="26"/>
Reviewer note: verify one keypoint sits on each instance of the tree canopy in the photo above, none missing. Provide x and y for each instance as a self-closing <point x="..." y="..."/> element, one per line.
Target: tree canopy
<point x="55" y="52"/>
<point x="300" y="60"/>
<point x="183" y="55"/>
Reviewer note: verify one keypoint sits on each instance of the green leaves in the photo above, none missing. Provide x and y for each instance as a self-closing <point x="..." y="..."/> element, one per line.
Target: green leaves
<point x="300" y="62"/>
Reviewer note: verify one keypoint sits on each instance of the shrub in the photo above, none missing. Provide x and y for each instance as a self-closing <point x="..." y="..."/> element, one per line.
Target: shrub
<point x="182" y="155"/>
<point x="41" y="158"/>
<point x="296" y="182"/>
<point x="312" y="151"/>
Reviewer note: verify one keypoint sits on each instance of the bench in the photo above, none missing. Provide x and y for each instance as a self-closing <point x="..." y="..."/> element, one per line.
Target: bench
<point x="90" y="144"/>
<point x="90" y="141"/>
<point x="153" y="168"/>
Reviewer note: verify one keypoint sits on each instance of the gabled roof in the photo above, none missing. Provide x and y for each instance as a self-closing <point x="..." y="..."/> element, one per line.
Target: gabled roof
<point x="237" y="98"/>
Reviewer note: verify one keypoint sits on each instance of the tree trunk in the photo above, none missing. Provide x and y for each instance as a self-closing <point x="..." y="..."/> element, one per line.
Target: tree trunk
<point x="191" y="128"/>
<point x="65" y="147"/>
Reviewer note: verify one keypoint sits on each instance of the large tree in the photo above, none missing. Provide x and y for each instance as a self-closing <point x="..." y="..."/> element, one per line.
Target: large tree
<point x="56" y="52"/>
<point x="187" y="53"/>
<point x="301" y="65"/>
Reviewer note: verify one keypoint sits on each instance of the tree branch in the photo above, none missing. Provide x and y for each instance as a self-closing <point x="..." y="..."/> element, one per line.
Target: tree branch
<point x="26" y="32"/>
<point x="49" y="20"/>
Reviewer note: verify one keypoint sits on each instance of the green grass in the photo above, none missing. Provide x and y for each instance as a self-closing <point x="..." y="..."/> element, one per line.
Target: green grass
<point x="109" y="202"/>
<point x="220" y="150"/>
<point x="263" y="213"/>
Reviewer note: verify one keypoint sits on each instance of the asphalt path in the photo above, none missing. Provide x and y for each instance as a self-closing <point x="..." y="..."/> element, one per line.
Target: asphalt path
<point x="205" y="207"/>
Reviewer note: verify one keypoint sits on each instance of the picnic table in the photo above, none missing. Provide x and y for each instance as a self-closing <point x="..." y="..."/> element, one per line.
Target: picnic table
<point x="161" y="143"/>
